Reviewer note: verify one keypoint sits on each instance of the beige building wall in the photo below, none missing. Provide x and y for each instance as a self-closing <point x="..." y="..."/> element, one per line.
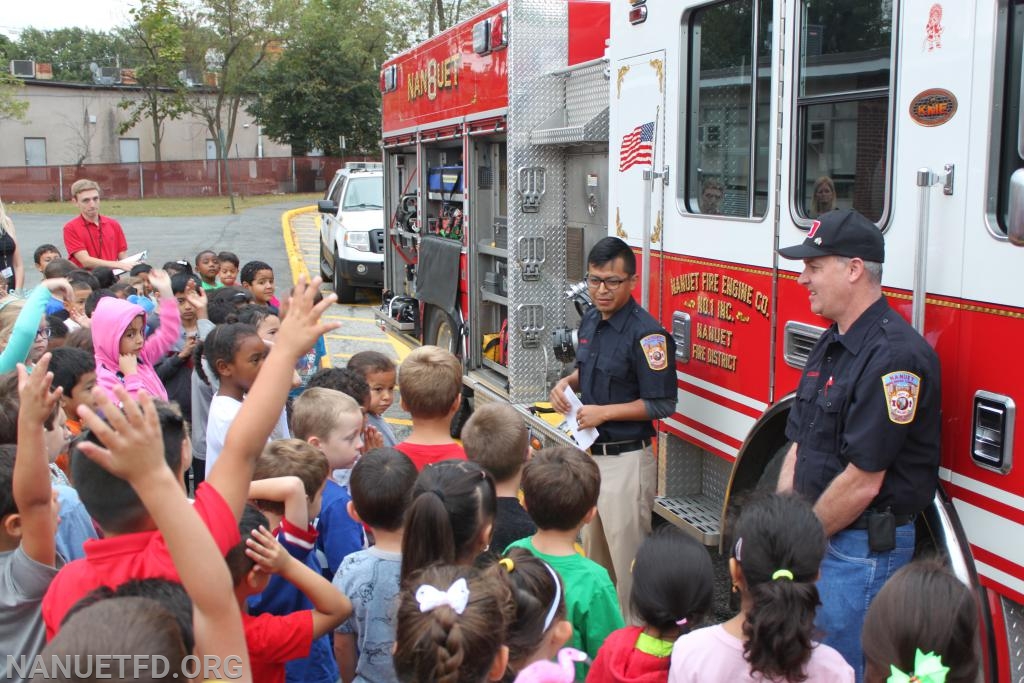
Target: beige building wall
<point x="69" y="123"/>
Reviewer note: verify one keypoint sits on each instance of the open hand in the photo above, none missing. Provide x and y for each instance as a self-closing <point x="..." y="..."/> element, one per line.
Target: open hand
<point x="37" y="401"/>
<point x="132" y="436"/>
<point x="372" y="438"/>
<point x="265" y="550"/>
<point x="301" y="328"/>
<point x="60" y="287"/>
<point x="196" y="296"/>
<point x="161" y="282"/>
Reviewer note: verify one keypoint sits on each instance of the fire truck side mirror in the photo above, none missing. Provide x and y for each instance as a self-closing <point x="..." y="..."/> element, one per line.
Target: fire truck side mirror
<point x="1015" y="213"/>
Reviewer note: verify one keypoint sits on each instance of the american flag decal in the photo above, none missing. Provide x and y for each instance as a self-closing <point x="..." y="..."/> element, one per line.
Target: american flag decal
<point x="636" y="147"/>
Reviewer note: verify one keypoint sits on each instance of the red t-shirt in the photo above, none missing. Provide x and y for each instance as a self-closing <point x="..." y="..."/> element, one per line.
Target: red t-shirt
<point x="104" y="241"/>
<point x="422" y="455"/>
<point x="273" y="641"/>
<point x="113" y="561"/>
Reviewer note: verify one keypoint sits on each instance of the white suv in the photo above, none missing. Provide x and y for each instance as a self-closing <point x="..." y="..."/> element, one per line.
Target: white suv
<point x="352" y="229"/>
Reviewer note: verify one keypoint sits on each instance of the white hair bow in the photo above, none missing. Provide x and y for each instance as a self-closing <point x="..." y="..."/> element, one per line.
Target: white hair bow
<point x="456" y="597"/>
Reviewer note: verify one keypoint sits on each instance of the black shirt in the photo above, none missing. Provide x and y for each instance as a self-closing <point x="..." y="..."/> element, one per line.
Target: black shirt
<point x="626" y="357"/>
<point x="870" y="397"/>
<point x="511" y="522"/>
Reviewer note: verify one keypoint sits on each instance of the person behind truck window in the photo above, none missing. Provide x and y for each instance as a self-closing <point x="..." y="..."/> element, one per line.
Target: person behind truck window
<point x="864" y="425"/>
<point x="711" y="194"/>
<point x="625" y="370"/>
<point x="90" y="239"/>
<point x="824" y="199"/>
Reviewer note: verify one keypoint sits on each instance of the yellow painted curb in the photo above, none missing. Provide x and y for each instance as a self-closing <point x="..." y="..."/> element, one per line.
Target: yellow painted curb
<point x="295" y="260"/>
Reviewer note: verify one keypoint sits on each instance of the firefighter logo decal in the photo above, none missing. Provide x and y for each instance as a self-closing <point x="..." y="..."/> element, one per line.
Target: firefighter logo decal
<point x="901" y="392"/>
<point x="655" y="350"/>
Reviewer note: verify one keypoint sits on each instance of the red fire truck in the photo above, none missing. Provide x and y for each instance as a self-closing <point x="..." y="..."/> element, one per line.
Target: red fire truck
<point x="705" y="134"/>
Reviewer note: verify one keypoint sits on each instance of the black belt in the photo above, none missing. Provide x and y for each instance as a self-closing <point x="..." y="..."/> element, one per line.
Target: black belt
<point x="862" y="521"/>
<point x="618" y="447"/>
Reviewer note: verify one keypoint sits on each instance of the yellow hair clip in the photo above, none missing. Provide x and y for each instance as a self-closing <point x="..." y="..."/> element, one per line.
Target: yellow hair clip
<point x="507" y="563"/>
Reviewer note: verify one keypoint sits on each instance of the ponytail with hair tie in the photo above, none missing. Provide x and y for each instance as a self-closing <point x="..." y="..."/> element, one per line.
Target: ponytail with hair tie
<point x="928" y="668"/>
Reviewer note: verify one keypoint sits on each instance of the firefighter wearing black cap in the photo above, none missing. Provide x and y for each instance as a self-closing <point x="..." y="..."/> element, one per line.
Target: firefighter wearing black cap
<point x="864" y="425"/>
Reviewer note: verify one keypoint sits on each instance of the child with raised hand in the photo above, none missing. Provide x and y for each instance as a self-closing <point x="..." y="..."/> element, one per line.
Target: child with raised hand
<point x="28" y="519"/>
<point x="923" y="621"/>
<point x="234" y="353"/>
<point x="23" y="331"/>
<point x="452" y="623"/>
<point x="450" y="518"/>
<point x="672" y="586"/>
<point x="132" y="548"/>
<point x="381" y="487"/>
<point x="777" y="551"/>
<point x="538" y="628"/>
<point x="133" y="450"/>
<point x="124" y="355"/>
<point x="274" y="640"/>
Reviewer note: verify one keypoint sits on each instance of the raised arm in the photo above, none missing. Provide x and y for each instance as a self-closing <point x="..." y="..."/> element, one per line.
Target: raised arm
<point x="134" y="451"/>
<point x="163" y="338"/>
<point x="33" y="494"/>
<point x="288" y="490"/>
<point x="27" y="324"/>
<point x="262" y="408"/>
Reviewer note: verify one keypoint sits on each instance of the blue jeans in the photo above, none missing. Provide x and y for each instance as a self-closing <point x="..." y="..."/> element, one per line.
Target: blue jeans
<point x="851" y="576"/>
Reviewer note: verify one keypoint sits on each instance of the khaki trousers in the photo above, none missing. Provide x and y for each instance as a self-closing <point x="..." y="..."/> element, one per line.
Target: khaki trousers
<point x="623" y="519"/>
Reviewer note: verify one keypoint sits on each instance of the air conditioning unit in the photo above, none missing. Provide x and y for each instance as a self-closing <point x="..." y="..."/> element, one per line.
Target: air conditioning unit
<point x="817" y="132"/>
<point x="23" y="68"/>
<point x="110" y="75"/>
<point x="710" y="134"/>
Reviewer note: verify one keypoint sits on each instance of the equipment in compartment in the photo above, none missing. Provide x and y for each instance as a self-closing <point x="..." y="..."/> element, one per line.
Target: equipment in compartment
<point x="404" y="310"/>
<point x="445" y="180"/>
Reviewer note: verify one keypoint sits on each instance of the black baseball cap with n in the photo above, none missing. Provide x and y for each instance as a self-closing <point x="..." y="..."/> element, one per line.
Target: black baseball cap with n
<point x="842" y="232"/>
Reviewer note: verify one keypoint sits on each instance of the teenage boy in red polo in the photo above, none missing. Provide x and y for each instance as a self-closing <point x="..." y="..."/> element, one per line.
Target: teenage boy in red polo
<point x="93" y="240"/>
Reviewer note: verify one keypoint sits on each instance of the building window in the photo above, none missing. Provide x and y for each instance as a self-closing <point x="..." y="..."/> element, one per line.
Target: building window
<point x="844" y="108"/>
<point x="35" y="151"/>
<point x="129" y="149"/>
<point x="727" y="108"/>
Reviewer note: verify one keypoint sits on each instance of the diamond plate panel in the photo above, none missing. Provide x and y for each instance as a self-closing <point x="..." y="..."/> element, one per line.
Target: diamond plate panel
<point x="715" y="477"/>
<point x="681" y="469"/>
<point x="1013" y="616"/>
<point x="538" y="45"/>
<point x="586" y="94"/>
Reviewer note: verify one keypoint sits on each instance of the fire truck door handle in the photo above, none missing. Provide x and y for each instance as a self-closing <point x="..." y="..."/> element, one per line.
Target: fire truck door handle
<point x="681" y="335"/>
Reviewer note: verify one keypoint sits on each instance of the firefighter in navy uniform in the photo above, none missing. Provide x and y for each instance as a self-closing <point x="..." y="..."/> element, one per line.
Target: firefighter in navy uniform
<point x="865" y="424"/>
<point x="625" y="371"/>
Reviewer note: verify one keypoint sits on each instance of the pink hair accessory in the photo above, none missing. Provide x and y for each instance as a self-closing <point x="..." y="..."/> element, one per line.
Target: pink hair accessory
<point x="550" y="672"/>
<point x="681" y="622"/>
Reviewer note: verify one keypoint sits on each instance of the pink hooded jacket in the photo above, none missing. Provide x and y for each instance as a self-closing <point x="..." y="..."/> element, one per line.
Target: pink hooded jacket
<point x="109" y="321"/>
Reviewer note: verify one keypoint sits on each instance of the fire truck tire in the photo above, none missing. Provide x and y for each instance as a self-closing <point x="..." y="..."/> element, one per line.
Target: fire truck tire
<point x="346" y="292"/>
<point x="442" y="330"/>
<point x="769" y="479"/>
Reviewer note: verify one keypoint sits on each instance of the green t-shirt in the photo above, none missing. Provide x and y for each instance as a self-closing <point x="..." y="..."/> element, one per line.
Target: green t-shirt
<point x="591" y="603"/>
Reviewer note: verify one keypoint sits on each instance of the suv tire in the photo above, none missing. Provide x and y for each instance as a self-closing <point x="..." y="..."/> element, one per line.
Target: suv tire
<point x="346" y="292"/>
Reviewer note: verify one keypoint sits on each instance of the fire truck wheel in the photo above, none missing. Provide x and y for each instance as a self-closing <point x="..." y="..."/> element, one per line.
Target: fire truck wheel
<point x="442" y="331"/>
<point x="346" y="292"/>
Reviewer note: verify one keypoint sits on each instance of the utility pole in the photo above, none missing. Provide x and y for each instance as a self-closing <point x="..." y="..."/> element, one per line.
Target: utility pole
<point x="224" y="160"/>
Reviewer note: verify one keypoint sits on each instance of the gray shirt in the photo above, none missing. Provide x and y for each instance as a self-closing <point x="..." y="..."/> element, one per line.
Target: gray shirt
<point x="23" y="582"/>
<point x="370" y="580"/>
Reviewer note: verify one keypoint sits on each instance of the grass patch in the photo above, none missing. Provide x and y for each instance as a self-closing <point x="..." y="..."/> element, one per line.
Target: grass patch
<point x="169" y="207"/>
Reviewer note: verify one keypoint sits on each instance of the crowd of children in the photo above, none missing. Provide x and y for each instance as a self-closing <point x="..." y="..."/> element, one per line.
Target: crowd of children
<point x="347" y="553"/>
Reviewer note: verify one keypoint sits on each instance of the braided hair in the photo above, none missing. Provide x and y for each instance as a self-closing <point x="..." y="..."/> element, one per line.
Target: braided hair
<point x="440" y="645"/>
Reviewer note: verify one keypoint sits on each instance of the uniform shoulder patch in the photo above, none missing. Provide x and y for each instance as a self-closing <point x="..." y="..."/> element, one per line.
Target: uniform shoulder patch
<point x="901" y="391"/>
<point x="655" y="351"/>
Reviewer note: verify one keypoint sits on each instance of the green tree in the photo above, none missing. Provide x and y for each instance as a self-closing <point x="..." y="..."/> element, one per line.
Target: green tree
<point x="71" y="51"/>
<point x="155" y="36"/>
<point x="232" y="41"/>
<point x="325" y="85"/>
<point x="440" y="15"/>
<point x="11" y="105"/>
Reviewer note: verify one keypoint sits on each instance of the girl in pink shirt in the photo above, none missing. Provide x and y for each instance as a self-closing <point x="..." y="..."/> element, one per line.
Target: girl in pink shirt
<point x="779" y="544"/>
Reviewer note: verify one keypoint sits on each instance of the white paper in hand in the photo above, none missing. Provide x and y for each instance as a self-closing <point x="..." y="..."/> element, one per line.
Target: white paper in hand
<point x="584" y="437"/>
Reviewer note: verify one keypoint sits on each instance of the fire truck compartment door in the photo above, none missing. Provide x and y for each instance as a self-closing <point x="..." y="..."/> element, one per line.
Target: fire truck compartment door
<point x="439" y="258"/>
<point x="637" y="144"/>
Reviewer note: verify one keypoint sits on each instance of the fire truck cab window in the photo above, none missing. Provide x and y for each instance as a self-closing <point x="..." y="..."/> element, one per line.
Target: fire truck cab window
<point x="728" y="109"/>
<point x="1010" y="156"/>
<point x="843" y="107"/>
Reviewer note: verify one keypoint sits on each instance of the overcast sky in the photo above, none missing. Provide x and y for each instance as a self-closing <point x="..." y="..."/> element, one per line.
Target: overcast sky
<point x="98" y="15"/>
